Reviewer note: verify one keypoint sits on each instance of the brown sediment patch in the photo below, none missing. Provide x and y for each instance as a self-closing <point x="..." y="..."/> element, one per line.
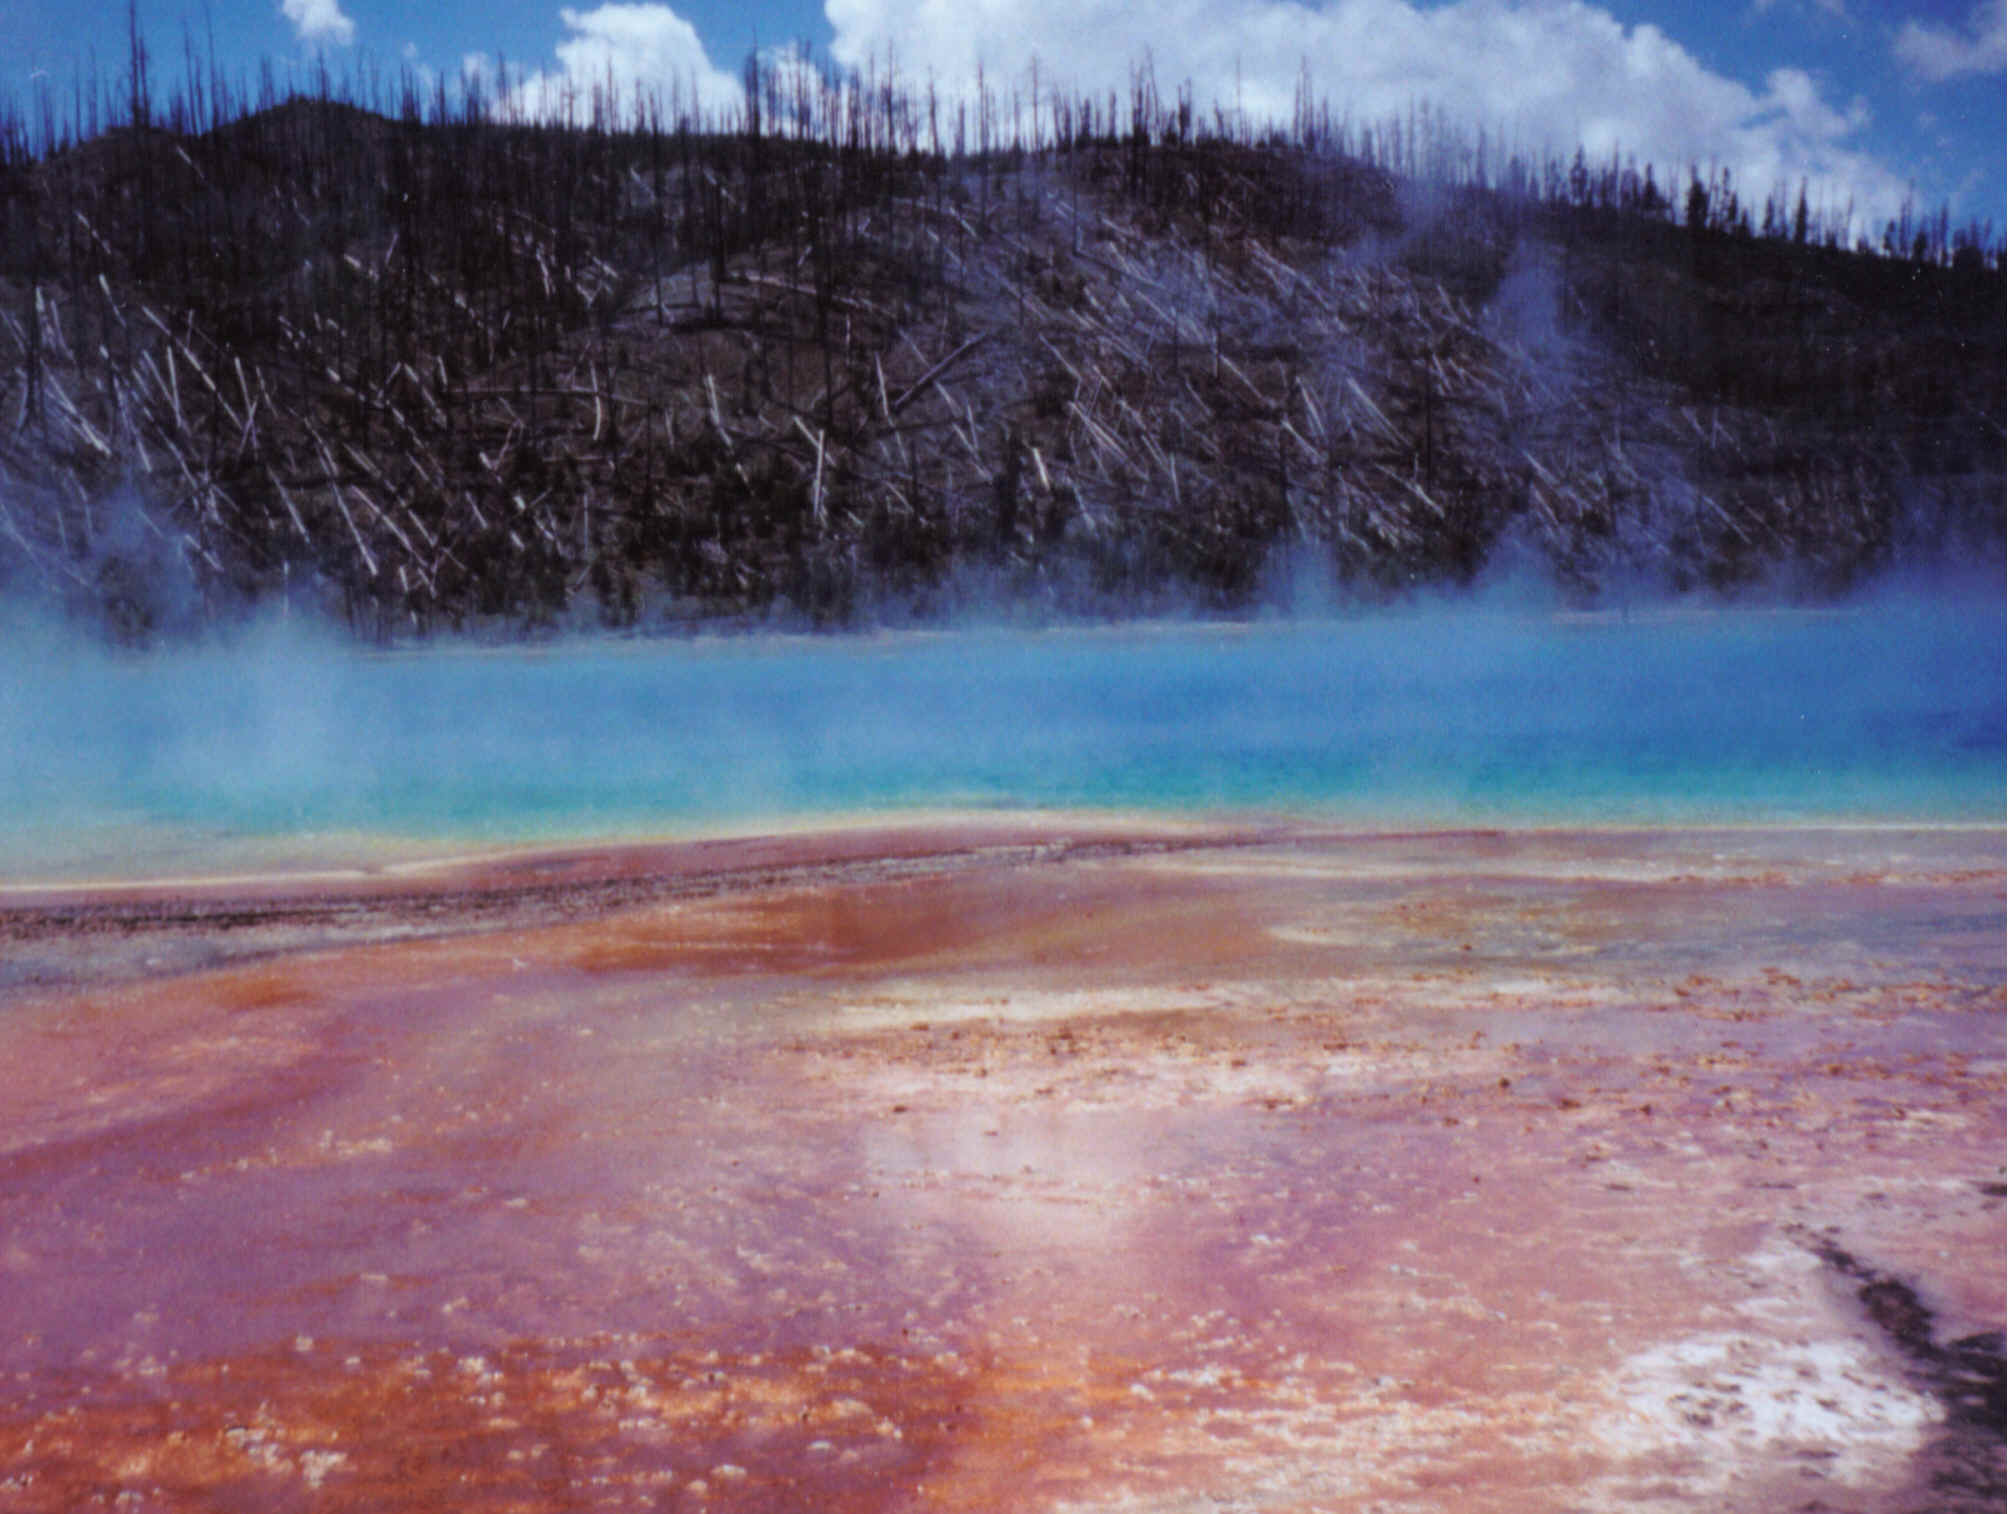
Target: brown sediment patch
<point x="1025" y="1165"/>
<point x="60" y="934"/>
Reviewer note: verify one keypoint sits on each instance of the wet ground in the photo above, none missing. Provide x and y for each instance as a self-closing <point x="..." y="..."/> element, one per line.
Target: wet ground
<point x="1037" y="1165"/>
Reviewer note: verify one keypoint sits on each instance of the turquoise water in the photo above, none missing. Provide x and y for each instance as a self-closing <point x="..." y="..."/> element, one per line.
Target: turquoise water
<point x="1891" y="711"/>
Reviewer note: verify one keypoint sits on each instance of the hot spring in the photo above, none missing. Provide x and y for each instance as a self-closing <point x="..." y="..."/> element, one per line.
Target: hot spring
<point x="1888" y="711"/>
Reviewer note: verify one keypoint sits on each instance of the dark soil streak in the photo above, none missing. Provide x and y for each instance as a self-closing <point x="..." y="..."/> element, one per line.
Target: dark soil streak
<point x="1967" y="1461"/>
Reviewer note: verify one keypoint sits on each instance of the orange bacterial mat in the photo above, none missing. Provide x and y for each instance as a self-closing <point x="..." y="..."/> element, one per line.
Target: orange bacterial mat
<point x="1017" y="1165"/>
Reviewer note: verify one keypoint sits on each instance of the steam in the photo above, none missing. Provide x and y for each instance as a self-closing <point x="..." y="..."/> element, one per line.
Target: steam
<point x="1482" y="710"/>
<point x="1525" y="311"/>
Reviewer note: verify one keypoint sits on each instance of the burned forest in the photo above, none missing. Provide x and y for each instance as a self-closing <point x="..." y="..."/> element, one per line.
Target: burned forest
<point x="852" y="354"/>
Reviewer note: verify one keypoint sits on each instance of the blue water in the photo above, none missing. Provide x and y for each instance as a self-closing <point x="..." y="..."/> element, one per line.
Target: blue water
<point x="1891" y="711"/>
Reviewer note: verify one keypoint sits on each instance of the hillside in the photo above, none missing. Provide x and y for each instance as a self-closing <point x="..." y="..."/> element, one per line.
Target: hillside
<point x="437" y="371"/>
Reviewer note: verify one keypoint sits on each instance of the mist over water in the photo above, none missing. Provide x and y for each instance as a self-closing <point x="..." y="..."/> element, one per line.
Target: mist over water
<point x="1888" y="710"/>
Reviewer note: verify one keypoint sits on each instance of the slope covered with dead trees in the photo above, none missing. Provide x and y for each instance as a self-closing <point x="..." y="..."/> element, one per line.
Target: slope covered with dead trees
<point x="856" y="354"/>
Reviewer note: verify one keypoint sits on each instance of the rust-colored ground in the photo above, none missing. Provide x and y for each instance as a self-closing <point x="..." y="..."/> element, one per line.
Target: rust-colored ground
<point x="1037" y="1165"/>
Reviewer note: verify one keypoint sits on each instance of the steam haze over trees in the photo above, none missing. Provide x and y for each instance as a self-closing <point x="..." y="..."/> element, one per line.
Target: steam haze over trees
<point x="630" y="339"/>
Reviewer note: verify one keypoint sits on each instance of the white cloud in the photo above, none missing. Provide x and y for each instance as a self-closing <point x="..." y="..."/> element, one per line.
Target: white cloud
<point x="1545" y="74"/>
<point x="319" y="21"/>
<point x="1937" y="53"/>
<point x="636" y="48"/>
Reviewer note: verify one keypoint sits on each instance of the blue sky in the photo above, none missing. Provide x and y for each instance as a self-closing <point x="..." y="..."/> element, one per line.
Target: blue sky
<point x="1866" y="98"/>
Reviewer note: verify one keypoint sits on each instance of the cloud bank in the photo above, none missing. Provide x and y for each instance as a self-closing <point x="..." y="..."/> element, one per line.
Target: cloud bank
<point x="1539" y="76"/>
<point x="1543" y="76"/>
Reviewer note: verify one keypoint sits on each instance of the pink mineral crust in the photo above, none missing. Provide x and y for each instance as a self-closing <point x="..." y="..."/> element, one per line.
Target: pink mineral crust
<point x="1032" y="1165"/>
